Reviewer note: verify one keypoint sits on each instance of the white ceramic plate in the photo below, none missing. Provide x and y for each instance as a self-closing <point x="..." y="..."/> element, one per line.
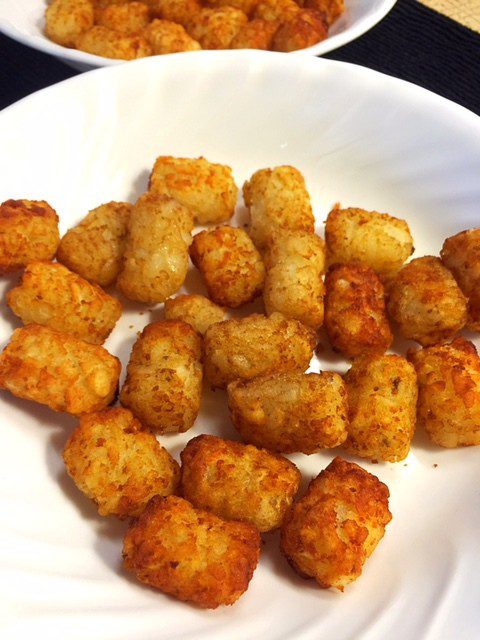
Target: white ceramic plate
<point x="360" y="138"/>
<point x="24" y="21"/>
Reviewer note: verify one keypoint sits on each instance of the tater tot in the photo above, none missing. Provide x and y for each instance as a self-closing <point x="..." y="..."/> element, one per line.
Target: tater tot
<point x="295" y="263"/>
<point x="449" y="393"/>
<point x="168" y="37"/>
<point x="206" y="188"/>
<point x="195" y="310"/>
<point x="331" y="9"/>
<point x="426" y="302"/>
<point x="276" y="10"/>
<point x="58" y="370"/>
<point x="290" y="412"/>
<point x="256" y="34"/>
<point x="373" y="239"/>
<point x="101" y="41"/>
<point x="461" y="255"/>
<point x="28" y="232"/>
<point x="164" y="377"/>
<point x="128" y="18"/>
<point x="179" y="11"/>
<point x="330" y="532"/>
<point x="231" y="266"/>
<point x="248" y="347"/>
<point x="65" y="20"/>
<point x="94" y="248"/>
<point x="155" y="261"/>
<point x="277" y="199"/>
<point x="355" y="316"/>
<point x="118" y="464"/>
<point x="238" y="482"/>
<point x="216" y="28"/>
<point x="382" y="395"/>
<point x="191" y="554"/>
<point x="51" y="295"/>
<point x="304" y="29"/>
<point x="247" y="6"/>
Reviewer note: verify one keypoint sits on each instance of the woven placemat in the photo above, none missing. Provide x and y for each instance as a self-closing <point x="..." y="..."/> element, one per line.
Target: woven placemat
<point x="466" y="12"/>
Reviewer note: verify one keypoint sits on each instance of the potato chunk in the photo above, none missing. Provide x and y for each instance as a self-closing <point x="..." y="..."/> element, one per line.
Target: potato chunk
<point x="256" y="34"/>
<point x="168" y="37"/>
<point x="449" y="393"/>
<point x="65" y="20"/>
<point x="216" y="28"/>
<point x="179" y="11"/>
<point x="355" y="315"/>
<point x="28" y="232"/>
<point x="276" y="10"/>
<point x="382" y="396"/>
<point x="331" y="9"/>
<point x="195" y="310"/>
<point x="372" y="239"/>
<point x="247" y="6"/>
<point x="58" y="370"/>
<point x="426" y="302"/>
<point x="277" y="199"/>
<point x="330" y="532"/>
<point x="191" y="554"/>
<point x="101" y="41"/>
<point x="164" y="377"/>
<point x="231" y="266"/>
<point x="129" y="18"/>
<point x="238" y="482"/>
<point x="254" y="346"/>
<point x="304" y="29"/>
<point x="118" y="464"/>
<point x="290" y="412"/>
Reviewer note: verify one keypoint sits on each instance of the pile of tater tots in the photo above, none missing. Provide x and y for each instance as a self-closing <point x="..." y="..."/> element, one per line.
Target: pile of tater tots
<point x="130" y="30"/>
<point x="194" y="529"/>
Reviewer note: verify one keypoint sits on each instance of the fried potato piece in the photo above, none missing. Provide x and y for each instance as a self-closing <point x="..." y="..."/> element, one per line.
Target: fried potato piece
<point x="461" y="255"/>
<point x="276" y="10"/>
<point x="290" y="412"/>
<point x="169" y="37"/>
<point x="195" y="310"/>
<point x="277" y="199"/>
<point x="216" y="28"/>
<point x="129" y="18"/>
<point x="118" y="464"/>
<point x="101" y="41"/>
<point x="426" y="302"/>
<point x="355" y="316"/>
<point x="51" y="295"/>
<point x="330" y="532"/>
<point x="373" y="239"/>
<point x="238" y="482"/>
<point x="293" y="285"/>
<point x="191" y="554"/>
<point x="164" y="377"/>
<point x="449" y="392"/>
<point x="155" y="261"/>
<point x="231" y="266"/>
<point x="304" y="29"/>
<point x="382" y="395"/>
<point x="94" y="248"/>
<point x="65" y="20"/>
<point x="247" y="6"/>
<point x="28" y="232"/>
<point x="206" y="188"/>
<point x="256" y="34"/>
<point x="331" y="9"/>
<point x="179" y="11"/>
<point x="253" y="346"/>
<point x="58" y="370"/>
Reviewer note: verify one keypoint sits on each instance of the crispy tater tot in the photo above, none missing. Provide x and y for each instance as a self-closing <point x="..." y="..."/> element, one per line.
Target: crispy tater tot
<point x="238" y="482"/>
<point x="168" y="37"/>
<point x="230" y="264"/>
<point x="426" y="302"/>
<point x="276" y="10"/>
<point x="461" y="255"/>
<point x="28" y="232"/>
<point x="330" y="532"/>
<point x="206" y="188"/>
<point x="295" y="263"/>
<point x="247" y="6"/>
<point x="164" y="377"/>
<point x="94" y="248"/>
<point x="101" y="41"/>
<point x="198" y="311"/>
<point x="155" y="261"/>
<point x="355" y="315"/>
<point x="65" y="20"/>
<point x="304" y="29"/>
<point x="191" y="554"/>
<point x="382" y="395"/>
<point x="331" y="9"/>
<point x="179" y="11"/>
<point x="449" y="392"/>
<point x="373" y="239"/>
<point x="118" y="464"/>
<point x="63" y="372"/>
<point x="256" y="34"/>
<point x="216" y="28"/>
<point x="277" y="199"/>
<point x="253" y="346"/>
<point x="129" y="18"/>
<point x="290" y="412"/>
